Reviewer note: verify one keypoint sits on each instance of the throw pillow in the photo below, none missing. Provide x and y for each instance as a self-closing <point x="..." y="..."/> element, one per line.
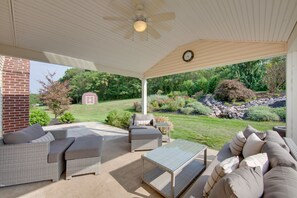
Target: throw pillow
<point x="280" y="182"/>
<point x="225" y="167"/>
<point x="142" y="122"/>
<point x="260" y="160"/>
<point x="278" y="156"/>
<point x="244" y="182"/>
<point x="250" y="130"/>
<point x="252" y="146"/>
<point x="273" y="136"/>
<point x="46" y="138"/>
<point x="237" y="143"/>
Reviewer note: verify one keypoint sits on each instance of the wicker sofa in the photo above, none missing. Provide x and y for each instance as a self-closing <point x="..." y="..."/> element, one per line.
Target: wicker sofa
<point x="279" y="181"/>
<point x="25" y="162"/>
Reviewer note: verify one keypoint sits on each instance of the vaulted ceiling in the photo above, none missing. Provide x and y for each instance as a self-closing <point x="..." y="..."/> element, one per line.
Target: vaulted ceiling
<point x="74" y="33"/>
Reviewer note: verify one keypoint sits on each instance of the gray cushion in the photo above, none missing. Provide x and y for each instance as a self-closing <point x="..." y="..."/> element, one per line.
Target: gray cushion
<point x="58" y="148"/>
<point x="249" y="130"/>
<point x="16" y="138"/>
<point x="145" y="134"/>
<point x="244" y="182"/>
<point x="25" y="135"/>
<point x="280" y="182"/>
<point x="143" y="117"/>
<point x="46" y="138"/>
<point x="85" y="147"/>
<point x="278" y="156"/>
<point x="273" y="136"/>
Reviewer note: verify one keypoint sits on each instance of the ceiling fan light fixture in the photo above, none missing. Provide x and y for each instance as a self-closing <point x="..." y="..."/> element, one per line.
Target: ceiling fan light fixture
<point x="140" y="26"/>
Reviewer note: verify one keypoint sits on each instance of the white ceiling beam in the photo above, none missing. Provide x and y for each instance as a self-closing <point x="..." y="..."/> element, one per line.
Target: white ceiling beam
<point x="53" y="58"/>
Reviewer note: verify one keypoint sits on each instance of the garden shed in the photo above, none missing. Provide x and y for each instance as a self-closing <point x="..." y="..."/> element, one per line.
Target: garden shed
<point x="89" y="98"/>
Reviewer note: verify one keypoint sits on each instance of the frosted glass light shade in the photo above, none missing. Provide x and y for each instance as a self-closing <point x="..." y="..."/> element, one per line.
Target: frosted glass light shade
<point x="140" y="26"/>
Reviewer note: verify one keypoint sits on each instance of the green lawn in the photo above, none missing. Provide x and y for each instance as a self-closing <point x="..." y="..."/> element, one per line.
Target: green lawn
<point x="213" y="132"/>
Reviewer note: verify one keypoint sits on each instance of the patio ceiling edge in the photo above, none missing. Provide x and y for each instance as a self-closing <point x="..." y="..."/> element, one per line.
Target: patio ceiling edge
<point x="213" y="53"/>
<point x="53" y="58"/>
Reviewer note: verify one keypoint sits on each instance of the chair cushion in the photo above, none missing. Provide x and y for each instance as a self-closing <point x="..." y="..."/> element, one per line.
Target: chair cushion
<point x="145" y="134"/>
<point x="273" y="136"/>
<point x="252" y="146"/>
<point x="280" y="182"/>
<point x="24" y="135"/>
<point x="250" y="130"/>
<point x="46" y="138"/>
<point x="85" y="147"/>
<point x="58" y="148"/>
<point x="237" y="143"/>
<point x="278" y="156"/>
<point x="244" y="182"/>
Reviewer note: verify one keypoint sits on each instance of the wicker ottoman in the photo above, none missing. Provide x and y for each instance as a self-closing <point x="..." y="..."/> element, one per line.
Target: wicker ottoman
<point x="84" y="156"/>
<point x="145" y="139"/>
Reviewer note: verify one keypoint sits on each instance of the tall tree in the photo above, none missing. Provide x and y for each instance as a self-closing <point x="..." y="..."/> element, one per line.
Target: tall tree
<point x="275" y="77"/>
<point x="54" y="94"/>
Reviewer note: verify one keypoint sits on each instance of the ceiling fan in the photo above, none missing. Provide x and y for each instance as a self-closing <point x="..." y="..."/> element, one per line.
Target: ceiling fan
<point x="140" y="20"/>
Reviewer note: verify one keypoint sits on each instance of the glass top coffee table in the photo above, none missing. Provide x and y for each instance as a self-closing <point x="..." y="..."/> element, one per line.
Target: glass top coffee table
<point x="170" y="169"/>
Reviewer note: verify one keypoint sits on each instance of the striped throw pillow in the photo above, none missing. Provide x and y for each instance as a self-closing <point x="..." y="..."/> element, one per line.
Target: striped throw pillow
<point x="237" y="143"/>
<point x="46" y="138"/>
<point x="225" y="167"/>
<point x="142" y="122"/>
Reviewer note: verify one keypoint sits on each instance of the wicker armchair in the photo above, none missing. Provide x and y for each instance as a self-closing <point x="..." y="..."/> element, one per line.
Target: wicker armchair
<point x="140" y="121"/>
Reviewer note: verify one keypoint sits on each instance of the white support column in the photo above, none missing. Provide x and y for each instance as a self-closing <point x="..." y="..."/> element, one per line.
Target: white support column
<point x="144" y="96"/>
<point x="291" y="89"/>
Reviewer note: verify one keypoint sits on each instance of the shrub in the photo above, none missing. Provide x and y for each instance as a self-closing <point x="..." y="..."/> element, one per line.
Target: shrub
<point x="176" y="104"/>
<point x="164" y="119"/>
<point x="281" y="112"/>
<point x="173" y="94"/>
<point x="198" y="95"/>
<point x="232" y="91"/>
<point x="119" y="118"/>
<point x="137" y="106"/>
<point x="67" y="118"/>
<point x="188" y="86"/>
<point x="39" y="116"/>
<point x="199" y="108"/>
<point x="262" y="113"/>
<point x="213" y="83"/>
<point x="187" y="110"/>
<point x="190" y="100"/>
<point x="202" y="85"/>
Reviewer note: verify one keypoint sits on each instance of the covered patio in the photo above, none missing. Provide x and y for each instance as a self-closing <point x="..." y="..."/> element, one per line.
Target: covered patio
<point x="77" y="34"/>
<point x="120" y="171"/>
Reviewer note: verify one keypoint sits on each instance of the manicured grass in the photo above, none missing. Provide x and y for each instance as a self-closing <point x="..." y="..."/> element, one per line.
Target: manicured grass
<point x="213" y="132"/>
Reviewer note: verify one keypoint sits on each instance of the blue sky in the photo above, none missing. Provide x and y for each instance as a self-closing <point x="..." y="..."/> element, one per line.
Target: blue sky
<point x="38" y="71"/>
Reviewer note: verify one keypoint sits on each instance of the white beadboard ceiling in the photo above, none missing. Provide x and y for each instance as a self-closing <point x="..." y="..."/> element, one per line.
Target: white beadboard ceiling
<point x="74" y="32"/>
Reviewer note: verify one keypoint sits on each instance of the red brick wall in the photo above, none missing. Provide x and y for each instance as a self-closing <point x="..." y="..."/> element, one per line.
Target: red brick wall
<point x="16" y="94"/>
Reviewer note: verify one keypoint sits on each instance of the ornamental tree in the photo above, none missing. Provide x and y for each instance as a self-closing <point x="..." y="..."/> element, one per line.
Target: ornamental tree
<point x="54" y="94"/>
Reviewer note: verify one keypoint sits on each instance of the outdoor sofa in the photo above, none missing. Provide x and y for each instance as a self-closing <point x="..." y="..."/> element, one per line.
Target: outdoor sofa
<point x="279" y="181"/>
<point x="23" y="161"/>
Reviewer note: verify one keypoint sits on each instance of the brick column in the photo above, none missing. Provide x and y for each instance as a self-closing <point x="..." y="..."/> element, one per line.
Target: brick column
<point x="15" y="94"/>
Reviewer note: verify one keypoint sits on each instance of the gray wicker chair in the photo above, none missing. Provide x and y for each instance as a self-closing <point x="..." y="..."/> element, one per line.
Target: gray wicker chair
<point x="141" y="117"/>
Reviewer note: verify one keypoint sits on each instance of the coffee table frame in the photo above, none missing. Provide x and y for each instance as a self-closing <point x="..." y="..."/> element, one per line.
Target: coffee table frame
<point x="171" y="183"/>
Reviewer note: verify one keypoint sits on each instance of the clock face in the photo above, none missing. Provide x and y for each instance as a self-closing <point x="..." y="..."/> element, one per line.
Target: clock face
<point x="188" y="55"/>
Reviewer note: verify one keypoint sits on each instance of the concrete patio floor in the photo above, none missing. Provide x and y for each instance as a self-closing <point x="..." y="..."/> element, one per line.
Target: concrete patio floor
<point x="120" y="172"/>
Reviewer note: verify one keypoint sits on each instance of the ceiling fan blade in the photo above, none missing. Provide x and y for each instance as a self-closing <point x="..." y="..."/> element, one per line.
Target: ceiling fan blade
<point x="136" y="2"/>
<point x="162" y="26"/>
<point x="120" y="9"/>
<point x="153" y="32"/>
<point x="129" y="34"/>
<point x="114" y="18"/>
<point x="163" y="16"/>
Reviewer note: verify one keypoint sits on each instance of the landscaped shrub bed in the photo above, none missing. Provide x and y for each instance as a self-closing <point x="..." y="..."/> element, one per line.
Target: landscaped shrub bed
<point x="262" y="113"/>
<point x="39" y="116"/>
<point x="66" y="118"/>
<point x="119" y="118"/>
